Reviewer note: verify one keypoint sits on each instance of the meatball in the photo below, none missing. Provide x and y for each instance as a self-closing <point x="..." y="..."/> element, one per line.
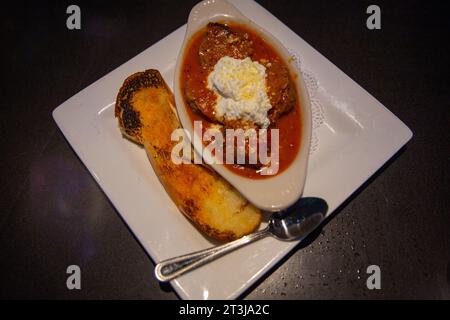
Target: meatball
<point x="222" y="41"/>
<point x="201" y="100"/>
<point x="279" y="89"/>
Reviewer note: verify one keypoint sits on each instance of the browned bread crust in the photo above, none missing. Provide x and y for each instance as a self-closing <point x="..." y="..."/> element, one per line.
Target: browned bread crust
<point x="145" y="111"/>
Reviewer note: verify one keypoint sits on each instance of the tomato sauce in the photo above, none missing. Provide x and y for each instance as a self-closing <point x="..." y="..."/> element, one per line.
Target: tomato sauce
<point x="289" y="124"/>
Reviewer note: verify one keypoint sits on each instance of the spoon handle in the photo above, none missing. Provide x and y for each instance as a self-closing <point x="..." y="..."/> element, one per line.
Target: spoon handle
<point x="171" y="268"/>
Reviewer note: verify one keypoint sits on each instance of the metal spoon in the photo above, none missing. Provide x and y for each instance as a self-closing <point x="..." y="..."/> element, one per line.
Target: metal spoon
<point x="295" y="223"/>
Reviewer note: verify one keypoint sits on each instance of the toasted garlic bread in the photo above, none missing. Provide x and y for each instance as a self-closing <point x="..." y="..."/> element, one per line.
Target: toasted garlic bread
<point x="145" y="110"/>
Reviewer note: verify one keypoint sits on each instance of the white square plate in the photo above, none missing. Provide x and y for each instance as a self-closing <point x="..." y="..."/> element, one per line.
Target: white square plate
<point x="357" y="137"/>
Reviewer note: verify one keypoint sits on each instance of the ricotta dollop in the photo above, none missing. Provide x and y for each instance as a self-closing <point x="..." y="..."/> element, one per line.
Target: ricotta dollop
<point x="240" y="87"/>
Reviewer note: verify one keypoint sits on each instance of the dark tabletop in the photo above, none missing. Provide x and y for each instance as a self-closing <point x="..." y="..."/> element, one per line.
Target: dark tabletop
<point x="53" y="214"/>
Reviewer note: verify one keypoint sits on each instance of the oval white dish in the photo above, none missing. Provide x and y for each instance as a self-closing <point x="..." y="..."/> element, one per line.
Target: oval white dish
<point x="273" y="193"/>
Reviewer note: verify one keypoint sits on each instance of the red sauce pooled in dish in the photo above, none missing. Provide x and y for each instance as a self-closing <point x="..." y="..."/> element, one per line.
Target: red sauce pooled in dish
<point x="195" y="72"/>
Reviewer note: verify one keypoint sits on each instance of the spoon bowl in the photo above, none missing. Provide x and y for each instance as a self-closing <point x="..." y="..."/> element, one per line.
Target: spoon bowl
<point x="299" y="221"/>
